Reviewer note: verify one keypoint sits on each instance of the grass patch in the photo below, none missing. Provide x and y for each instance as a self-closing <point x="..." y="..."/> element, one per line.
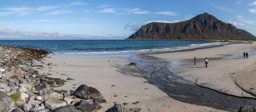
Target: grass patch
<point x="15" y="97"/>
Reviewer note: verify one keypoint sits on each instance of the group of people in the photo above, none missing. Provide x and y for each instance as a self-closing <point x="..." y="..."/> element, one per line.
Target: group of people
<point x="245" y="54"/>
<point x="206" y="61"/>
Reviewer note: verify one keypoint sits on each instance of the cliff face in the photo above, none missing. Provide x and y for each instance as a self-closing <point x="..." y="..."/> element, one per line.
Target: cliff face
<point x="203" y="26"/>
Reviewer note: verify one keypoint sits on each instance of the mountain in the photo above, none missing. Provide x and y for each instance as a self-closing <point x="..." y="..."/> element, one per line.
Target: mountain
<point x="203" y="26"/>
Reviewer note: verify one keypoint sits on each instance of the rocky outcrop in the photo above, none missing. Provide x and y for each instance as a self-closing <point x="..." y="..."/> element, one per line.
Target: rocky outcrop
<point x="5" y="102"/>
<point x="203" y="26"/>
<point x="13" y="56"/>
<point x="87" y="92"/>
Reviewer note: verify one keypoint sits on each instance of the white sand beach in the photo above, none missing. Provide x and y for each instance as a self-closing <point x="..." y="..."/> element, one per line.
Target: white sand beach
<point x="100" y="73"/>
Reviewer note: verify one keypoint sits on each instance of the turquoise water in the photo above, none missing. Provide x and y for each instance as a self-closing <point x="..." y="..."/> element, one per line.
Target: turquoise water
<point x="116" y="48"/>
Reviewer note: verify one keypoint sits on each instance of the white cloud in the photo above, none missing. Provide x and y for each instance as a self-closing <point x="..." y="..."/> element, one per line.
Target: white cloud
<point x="78" y="3"/>
<point x="9" y="33"/>
<point x="167" y="13"/>
<point x="133" y="10"/>
<point x="20" y="11"/>
<point x="237" y="3"/>
<point x="233" y="22"/>
<point x="252" y="11"/>
<point x="104" y="6"/>
<point x="45" y="8"/>
<point x="59" y="12"/>
<point x="108" y="10"/>
<point x="141" y="12"/>
<point x="244" y="20"/>
<point x="254" y="3"/>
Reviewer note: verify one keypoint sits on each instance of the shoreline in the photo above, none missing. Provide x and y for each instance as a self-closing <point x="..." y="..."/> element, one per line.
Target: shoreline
<point x="160" y="81"/>
<point x="145" y="91"/>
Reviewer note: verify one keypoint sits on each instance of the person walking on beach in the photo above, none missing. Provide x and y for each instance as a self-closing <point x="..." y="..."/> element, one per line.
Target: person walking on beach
<point x="194" y="60"/>
<point x="206" y="62"/>
<point x="244" y="54"/>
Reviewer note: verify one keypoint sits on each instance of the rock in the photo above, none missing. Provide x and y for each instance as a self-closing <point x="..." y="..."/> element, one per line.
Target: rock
<point x="45" y="110"/>
<point x="5" y="102"/>
<point x="53" y="82"/>
<point x="27" y="107"/>
<point x="247" y="109"/>
<point x="54" y="103"/>
<point x="17" y="110"/>
<point x="69" y="78"/>
<point x="24" y="96"/>
<point x="40" y="98"/>
<point x="86" y="92"/>
<point x="2" y="70"/>
<point x="22" y="89"/>
<point x="68" y="99"/>
<point x="34" y="102"/>
<point x="27" y="86"/>
<point x="50" y="64"/>
<point x="33" y="76"/>
<point x="121" y="108"/>
<point x="42" y="86"/>
<point x="38" y="108"/>
<point x="7" y="89"/>
<point x="20" y="103"/>
<point x="49" y="94"/>
<point x="135" y="109"/>
<point x="133" y="64"/>
<point x="13" y="82"/>
<point x="85" y="106"/>
<point x="68" y="108"/>
<point x="137" y="102"/>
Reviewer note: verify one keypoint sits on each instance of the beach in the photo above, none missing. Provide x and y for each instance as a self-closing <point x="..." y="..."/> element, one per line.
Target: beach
<point x="115" y="87"/>
<point x="222" y="75"/>
<point x="147" y="82"/>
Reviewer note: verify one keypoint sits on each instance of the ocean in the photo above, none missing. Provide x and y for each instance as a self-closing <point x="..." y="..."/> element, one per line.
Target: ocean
<point x="107" y="48"/>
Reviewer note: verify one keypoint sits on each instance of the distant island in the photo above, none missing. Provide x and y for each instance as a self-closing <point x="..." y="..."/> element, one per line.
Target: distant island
<point x="201" y="27"/>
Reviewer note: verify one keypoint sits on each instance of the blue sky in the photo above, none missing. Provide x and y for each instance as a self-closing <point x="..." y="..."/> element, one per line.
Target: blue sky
<point x="111" y="19"/>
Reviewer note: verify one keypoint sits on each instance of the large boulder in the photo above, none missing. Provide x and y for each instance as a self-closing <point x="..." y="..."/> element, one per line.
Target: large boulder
<point x="68" y="108"/>
<point x="86" y="106"/>
<point x="42" y="86"/>
<point x="53" y="82"/>
<point x="27" y="107"/>
<point x="86" y="92"/>
<point x="5" y="102"/>
<point x="49" y="94"/>
<point x="247" y="109"/>
<point x="54" y="103"/>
